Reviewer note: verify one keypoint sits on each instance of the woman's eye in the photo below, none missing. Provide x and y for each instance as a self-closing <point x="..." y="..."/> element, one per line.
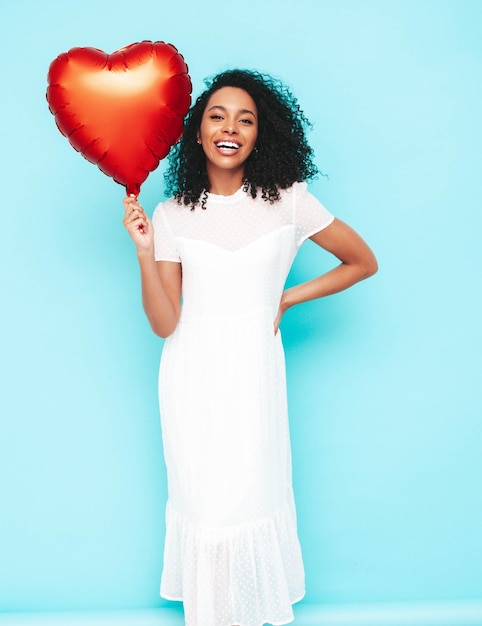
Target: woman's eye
<point x="215" y="117"/>
<point x="247" y="121"/>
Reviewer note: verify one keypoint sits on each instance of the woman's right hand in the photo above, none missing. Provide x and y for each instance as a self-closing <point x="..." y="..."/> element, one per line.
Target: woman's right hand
<point x="138" y="225"/>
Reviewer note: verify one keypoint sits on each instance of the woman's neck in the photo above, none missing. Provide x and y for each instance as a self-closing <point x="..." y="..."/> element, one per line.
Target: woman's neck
<point x="225" y="183"/>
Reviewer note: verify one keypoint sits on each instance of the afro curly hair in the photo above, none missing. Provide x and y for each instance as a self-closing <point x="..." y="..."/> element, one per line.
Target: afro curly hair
<point x="282" y="156"/>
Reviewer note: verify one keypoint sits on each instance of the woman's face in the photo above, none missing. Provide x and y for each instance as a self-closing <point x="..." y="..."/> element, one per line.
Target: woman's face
<point x="229" y="129"/>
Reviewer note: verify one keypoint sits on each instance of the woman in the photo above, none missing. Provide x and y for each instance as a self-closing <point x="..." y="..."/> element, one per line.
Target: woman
<point x="226" y="242"/>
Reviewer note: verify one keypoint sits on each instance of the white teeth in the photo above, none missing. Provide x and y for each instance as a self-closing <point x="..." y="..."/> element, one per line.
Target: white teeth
<point x="227" y="144"/>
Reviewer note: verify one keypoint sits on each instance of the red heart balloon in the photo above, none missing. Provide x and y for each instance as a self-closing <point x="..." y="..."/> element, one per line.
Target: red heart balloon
<point x="123" y="111"/>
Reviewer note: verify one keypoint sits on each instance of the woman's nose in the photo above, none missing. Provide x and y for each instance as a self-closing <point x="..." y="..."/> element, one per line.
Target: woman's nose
<point x="229" y="128"/>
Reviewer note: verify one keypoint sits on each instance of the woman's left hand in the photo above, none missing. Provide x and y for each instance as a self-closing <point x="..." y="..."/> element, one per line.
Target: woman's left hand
<point x="357" y="262"/>
<point x="281" y="310"/>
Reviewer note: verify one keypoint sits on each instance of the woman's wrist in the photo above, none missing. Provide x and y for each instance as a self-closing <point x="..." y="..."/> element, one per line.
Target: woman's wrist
<point x="145" y="255"/>
<point x="287" y="300"/>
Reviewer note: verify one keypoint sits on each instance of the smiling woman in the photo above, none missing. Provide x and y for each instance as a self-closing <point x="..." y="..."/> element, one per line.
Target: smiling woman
<point x="281" y="156"/>
<point x="228" y="133"/>
<point x="232" y="553"/>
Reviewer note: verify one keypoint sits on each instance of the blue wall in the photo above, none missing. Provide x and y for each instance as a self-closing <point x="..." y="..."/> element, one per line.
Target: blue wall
<point x="384" y="380"/>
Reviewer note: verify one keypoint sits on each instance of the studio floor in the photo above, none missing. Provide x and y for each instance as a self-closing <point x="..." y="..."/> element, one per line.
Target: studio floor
<point x="440" y="614"/>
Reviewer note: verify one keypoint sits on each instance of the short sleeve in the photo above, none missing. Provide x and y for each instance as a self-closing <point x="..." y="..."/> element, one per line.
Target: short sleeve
<point x="309" y="214"/>
<point x="164" y="244"/>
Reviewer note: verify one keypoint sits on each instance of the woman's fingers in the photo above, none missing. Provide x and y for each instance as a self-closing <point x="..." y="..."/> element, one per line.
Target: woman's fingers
<point x="133" y="215"/>
<point x="132" y="204"/>
<point x="277" y="321"/>
<point x="134" y="212"/>
<point x="137" y="223"/>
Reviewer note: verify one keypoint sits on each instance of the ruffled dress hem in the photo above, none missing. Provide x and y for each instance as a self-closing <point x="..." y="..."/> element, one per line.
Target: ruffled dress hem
<point x="214" y="570"/>
<point x="262" y="623"/>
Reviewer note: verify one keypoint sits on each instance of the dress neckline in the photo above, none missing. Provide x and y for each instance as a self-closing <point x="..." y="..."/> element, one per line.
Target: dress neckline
<point x="214" y="197"/>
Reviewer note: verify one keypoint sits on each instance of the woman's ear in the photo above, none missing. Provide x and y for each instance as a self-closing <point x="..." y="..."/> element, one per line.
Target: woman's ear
<point x="198" y="137"/>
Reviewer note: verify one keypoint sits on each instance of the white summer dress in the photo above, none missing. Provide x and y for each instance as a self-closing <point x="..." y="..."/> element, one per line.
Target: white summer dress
<point x="232" y="553"/>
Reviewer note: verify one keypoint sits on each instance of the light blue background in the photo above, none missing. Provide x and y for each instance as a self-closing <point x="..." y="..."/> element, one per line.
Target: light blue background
<point x="384" y="380"/>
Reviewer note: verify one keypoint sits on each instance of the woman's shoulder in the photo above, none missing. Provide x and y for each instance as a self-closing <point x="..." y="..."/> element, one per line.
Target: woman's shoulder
<point x="296" y="189"/>
<point x="295" y="193"/>
<point x="168" y="207"/>
<point x="169" y="204"/>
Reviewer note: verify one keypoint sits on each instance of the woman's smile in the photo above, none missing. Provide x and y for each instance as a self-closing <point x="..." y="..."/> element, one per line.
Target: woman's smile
<point x="227" y="147"/>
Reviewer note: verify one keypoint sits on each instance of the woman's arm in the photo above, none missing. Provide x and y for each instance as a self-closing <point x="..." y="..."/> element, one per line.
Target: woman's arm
<point x="160" y="281"/>
<point x="357" y="262"/>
